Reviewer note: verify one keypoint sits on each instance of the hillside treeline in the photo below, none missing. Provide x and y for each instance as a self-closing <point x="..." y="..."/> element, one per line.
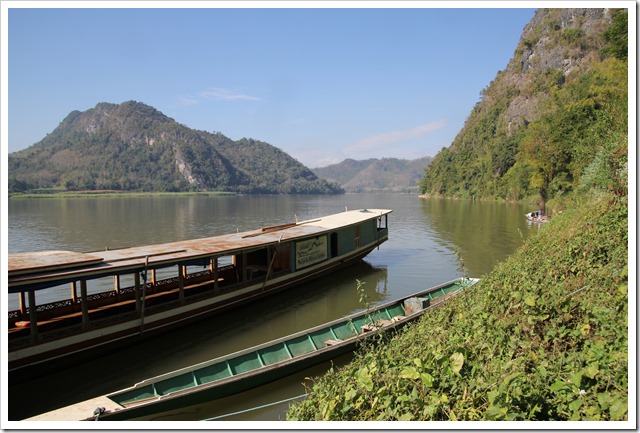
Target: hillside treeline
<point x="553" y="122"/>
<point x="134" y="147"/>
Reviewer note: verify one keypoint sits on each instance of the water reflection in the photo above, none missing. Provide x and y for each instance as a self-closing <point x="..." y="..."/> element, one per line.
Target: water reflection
<point x="484" y="232"/>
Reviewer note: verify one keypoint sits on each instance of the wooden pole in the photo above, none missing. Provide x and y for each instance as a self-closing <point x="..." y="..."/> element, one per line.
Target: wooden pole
<point x="216" y="285"/>
<point x="138" y="297"/>
<point x="181" y="271"/>
<point x="244" y="266"/>
<point x="33" y="317"/>
<point x="74" y="295"/>
<point x="85" y="304"/>
<point x="23" y="305"/>
<point x="144" y="293"/>
<point x="116" y="284"/>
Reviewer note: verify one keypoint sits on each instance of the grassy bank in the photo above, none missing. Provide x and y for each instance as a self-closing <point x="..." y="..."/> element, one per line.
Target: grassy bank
<point x="543" y="337"/>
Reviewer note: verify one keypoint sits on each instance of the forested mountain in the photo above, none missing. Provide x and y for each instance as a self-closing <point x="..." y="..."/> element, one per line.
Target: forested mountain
<point x="134" y="147"/>
<point x="371" y="175"/>
<point x="554" y="121"/>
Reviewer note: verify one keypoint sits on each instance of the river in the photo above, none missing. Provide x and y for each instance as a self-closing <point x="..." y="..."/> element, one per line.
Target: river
<point x="430" y="241"/>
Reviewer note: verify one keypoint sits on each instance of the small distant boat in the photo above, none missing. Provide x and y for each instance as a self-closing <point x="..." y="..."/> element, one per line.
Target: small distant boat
<point x="258" y="365"/>
<point x="534" y="217"/>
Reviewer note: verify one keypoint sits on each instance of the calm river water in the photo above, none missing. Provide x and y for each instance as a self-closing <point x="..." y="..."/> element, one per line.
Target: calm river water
<point x="424" y="235"/>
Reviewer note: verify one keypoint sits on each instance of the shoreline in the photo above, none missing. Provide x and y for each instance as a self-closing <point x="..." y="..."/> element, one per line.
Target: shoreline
<point x="113" y="193"/>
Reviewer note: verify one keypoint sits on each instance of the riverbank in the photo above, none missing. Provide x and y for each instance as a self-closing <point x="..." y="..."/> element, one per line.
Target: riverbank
<point x="111" y="193"/>
<point x="544" y="336"/>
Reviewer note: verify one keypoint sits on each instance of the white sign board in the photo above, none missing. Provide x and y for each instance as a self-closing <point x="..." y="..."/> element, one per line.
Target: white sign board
<point x="311" y="251"/>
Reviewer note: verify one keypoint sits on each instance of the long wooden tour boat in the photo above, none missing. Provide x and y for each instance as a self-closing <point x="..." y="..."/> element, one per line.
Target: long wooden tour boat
<point x="255" y="366"/>
<point x="229" y="270"/>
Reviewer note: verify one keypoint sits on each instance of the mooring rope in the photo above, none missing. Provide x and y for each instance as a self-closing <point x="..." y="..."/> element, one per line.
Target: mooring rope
<point x="255" y="408"/>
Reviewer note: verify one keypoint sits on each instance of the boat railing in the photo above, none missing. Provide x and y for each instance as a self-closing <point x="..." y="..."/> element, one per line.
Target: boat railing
<point x="99" y="299"/>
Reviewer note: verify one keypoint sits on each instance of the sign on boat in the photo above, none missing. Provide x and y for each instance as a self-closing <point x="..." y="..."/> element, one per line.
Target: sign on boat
<point x="229" y="270"/>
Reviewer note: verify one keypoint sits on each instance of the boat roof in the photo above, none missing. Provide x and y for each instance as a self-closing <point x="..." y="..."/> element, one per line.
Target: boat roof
<point x="39" y="269"/>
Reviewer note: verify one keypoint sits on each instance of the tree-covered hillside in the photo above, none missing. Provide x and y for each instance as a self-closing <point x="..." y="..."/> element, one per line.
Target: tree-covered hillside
<point x="134" y="147"/>
<point x="554" y="121"/>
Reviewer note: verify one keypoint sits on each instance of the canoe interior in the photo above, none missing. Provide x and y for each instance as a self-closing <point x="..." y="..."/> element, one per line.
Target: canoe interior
<point x="280" y="351"/>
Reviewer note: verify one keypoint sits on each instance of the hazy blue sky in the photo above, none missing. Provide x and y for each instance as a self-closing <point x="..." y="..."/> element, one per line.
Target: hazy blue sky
<point x="321" y="84"/>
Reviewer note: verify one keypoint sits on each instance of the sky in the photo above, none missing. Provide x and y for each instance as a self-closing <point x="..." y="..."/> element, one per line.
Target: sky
<point x="323" y="84"/>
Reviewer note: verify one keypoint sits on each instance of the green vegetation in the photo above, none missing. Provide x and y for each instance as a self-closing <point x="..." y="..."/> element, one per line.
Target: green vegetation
<point x="538" y="132"/>
<point x="542" y="337"/>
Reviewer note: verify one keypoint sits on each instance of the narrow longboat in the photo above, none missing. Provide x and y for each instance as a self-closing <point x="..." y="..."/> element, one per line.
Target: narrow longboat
<point x="258" y="365"/>
<point x="209" y="275"/>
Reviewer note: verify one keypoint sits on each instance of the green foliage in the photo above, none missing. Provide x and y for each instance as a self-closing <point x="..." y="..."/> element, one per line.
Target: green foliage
<point x="543" y="337"/>
<point x="577" y="125"/>
<point x="573" y="35"/>
<point x="363" y="298"/>
<point x="585" y="116"/>
<point x="617" y="36"/>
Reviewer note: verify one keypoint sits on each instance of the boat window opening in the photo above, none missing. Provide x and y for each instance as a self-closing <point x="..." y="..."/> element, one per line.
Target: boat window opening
<point x="227" y="271"/>
<point x="334" y="245"/>
<point x="382" y="222"/>
<point x="257" y="263"/>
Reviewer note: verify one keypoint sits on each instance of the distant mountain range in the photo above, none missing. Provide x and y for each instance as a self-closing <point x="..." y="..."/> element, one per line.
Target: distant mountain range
<point x="134" y="147"/>
<point x="375" y="175"/>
